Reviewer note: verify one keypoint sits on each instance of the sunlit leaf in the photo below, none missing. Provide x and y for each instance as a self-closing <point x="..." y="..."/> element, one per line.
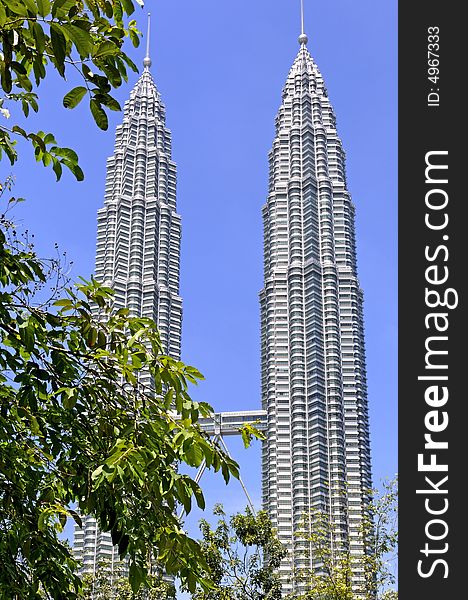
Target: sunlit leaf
<point x="74" y="97"/>
<point x="99" y="114"/>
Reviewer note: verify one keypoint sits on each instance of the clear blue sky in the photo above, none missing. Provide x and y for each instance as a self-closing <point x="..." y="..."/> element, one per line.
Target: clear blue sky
<point x="220" y="67"/>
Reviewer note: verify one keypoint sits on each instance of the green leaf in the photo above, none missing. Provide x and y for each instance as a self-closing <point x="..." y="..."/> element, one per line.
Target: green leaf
<point x="97" y="472"/>
<point x="31" y="6"/>
<point x="25" y="107"/>
<point x="23" y="82"/>
<point x="184" y="495"/>
<point x="41" y="522"/>
<point x="81" y="38"/>
<point x="77" y="172"/>
<point x="111" y="103"/>
<point x="135" y="577"/>
<point x="108" y="8"/>
<point x="99" y="115"/>
<point x="67" y="153"/>
<point x="18" y="67"/>
<point x="225" y="472"/>
<point x="17" y="8"/>
<point x="128" y="6"/>
<point x="74" y="97"/>
<point x="60" y="8"/>
<point x="69" y="398"/>
<point x="39" y="69"/>
<point x="63" y="302"/>
<point x="39" y="37"/>
<point x="118" y="14"/>
<point x="37" y="140"/>
<point x="92" y="337"/>
<point x="33" y="103"/>
<point x="197" y="491"/>
<point x="123" y="544"/>
<point x="62" y="520"/>
<point x="27" y="337"/>
<point x="134" y="38"/>
<point x="6" y="78"/>
<point x="43" y="7"/>
<point x="49" y="139"/>
<point x="46" y="159"/>
<point x="106" y="48"/>
<point x="59" y="46"/>
<point x="19" y="130"/>
<point x="57" y="168"/>
<point x="193" y="454"/>
<point x="130" y="63"/>
<point x="76" y="517"/>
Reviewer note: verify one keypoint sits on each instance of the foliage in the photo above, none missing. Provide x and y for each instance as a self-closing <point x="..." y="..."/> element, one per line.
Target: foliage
<point x="78" y="429"/>
<point x="389" y="595"/>
<point x="110" y="584"/>
<point x="331" y="575"/>
<point x="84" y="37"/>
<point x="380" y="531"/>
<point x="335" y="567"/>
<point x="249" y="432"/>
<point x="243" y="556"/>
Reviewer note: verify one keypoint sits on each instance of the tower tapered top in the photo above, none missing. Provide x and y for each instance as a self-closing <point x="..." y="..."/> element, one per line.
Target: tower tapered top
<point x="303" y="39"/>
<point x="145" y="85"/>
<point x="147" y="59"/>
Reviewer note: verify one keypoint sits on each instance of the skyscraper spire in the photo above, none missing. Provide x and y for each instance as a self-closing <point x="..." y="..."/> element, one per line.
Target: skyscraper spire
<point x="147" y="59"/>
<point x="138" y="249"/>
<point x="303" y="39"/>
<point x="316" y="455"/>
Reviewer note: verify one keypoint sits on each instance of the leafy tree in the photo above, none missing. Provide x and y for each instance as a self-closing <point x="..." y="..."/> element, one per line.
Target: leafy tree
<point x="111" y="584"/>
<point x="389" y="595"/>
<point x="243" y="555"/>
<point x="78" y="430"/>
<point x="81" y="38"/>
<point x="332" y="578"/>
<point x="380" y="532"/>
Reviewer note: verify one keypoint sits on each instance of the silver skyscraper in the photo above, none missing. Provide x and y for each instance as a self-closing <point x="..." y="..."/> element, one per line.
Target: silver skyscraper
<point x="317" y="454"/>
<point x="138" y="238"/>
<point x="138" y="246"/>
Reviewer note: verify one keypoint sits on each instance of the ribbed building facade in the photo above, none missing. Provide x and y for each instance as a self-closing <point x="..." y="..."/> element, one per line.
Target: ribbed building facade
<point x="317" y="454"/>
<point x="138" y="247"/>
<point x="138" y="235"/>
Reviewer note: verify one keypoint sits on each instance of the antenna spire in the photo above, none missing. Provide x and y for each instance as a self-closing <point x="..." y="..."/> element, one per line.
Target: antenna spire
<point x="303" y="39"/>
<point x="147" y="59"/>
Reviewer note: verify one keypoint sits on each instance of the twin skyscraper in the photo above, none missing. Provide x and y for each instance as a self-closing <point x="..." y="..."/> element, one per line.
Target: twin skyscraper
<point x="316" y="454"/>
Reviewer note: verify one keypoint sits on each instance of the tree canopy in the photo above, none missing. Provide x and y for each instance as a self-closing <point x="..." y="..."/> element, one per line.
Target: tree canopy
<point x="78" y="430"/>
<point x="110" y="583"/>
<point x="335" y="565"/>
<point x="81" y="38"/>
<point x="243" y="554"/>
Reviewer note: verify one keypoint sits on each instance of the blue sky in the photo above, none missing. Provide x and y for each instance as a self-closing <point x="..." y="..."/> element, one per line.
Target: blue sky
<point x="220" y="67"/>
